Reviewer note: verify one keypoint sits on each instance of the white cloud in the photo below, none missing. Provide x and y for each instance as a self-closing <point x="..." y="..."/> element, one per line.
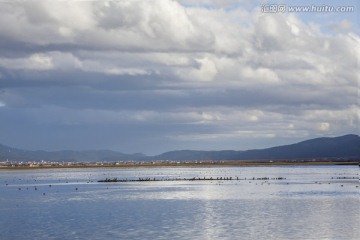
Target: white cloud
<point x="205" y="71"/>
<point x="261" y="75"/>
<point x="43" y="61"/>
<point x="127" y="71"/>
<point x="39" y="62"/>
<point x="324" y="126"/>
<point x="33" y="62"/>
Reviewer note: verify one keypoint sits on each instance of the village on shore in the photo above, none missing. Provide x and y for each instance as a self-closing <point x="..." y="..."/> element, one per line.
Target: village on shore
<point x="72" y="164"/>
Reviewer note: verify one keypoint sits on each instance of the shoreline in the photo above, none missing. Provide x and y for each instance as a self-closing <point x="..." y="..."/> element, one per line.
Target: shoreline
<point x="188" y="164"/>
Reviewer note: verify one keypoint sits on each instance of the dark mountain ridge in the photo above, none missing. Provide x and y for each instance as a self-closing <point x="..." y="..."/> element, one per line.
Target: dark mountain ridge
<point x="325" y="147"/>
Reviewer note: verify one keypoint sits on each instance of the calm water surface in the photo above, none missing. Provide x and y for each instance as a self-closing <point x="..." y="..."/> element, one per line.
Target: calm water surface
<point x="313" y="202"/>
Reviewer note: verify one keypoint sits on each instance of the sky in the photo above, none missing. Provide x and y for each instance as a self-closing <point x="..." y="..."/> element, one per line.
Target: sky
<point x="153" y="76"/>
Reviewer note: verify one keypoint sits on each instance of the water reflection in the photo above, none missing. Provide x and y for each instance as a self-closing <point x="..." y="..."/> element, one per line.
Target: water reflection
<point x="312" y="203"/>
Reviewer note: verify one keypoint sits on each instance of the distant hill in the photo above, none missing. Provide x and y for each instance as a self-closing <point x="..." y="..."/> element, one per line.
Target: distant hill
<point x="344" y="146"/>
<point x="13" y="154"/>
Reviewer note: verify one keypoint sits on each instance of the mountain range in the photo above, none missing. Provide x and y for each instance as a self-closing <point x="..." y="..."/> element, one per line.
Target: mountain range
<point x="347" y="146"/>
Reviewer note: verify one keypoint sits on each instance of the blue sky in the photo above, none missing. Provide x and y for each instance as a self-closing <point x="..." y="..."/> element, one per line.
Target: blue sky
<point x="326" y="19"/>
<point x="153" y="76"/>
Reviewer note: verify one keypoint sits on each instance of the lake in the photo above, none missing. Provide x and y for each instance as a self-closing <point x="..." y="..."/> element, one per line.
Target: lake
<point x="312" y="202"/>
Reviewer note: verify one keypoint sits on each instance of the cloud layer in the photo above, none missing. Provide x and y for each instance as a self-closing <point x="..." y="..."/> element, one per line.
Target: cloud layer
<point x="159" y="75"/>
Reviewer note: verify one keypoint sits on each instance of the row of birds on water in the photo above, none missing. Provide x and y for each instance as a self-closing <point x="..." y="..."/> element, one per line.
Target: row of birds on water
<point x="148" y="179"/>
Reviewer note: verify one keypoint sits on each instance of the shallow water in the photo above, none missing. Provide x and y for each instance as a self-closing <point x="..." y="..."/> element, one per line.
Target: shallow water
<point x="313" y="202"/>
